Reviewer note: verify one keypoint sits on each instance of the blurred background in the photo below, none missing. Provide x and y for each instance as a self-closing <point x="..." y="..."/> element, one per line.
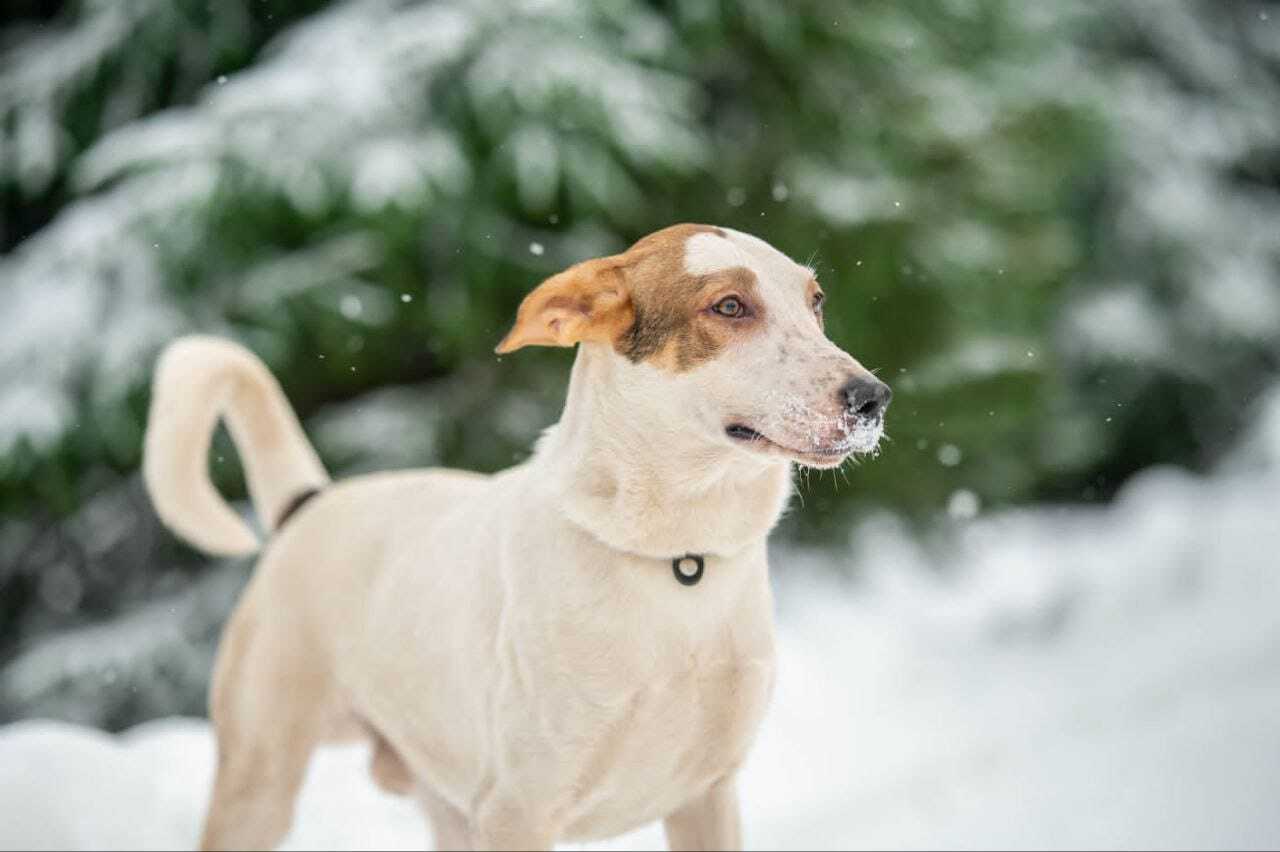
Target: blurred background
<point x="1054" y="227"/>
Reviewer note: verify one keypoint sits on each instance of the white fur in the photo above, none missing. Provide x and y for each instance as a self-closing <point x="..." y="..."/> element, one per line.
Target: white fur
<point x="516" y="645"/>
<point x="794" y="370"/>
<point x="198" y="380"/>
<point x="709" y="252"/>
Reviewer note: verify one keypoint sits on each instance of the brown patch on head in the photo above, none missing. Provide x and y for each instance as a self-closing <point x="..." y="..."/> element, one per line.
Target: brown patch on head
<point x="644" y="302"/>
<point x="673" y="327"/>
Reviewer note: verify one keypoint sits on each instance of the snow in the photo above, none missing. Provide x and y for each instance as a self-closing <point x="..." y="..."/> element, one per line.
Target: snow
<point x="973" y="360"/>
<point x="1121" y="322"/>
<point x="847" y="199"/>
<point x="339" y="103"/>
<point x="963" y="504"/>
<point x="949" y="455"/>
<point x="350" y="306"/>
<point x="1050" y="677"/>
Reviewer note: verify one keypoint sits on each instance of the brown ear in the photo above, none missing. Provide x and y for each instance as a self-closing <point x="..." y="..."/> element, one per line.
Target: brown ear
<point x="588" y="301"/>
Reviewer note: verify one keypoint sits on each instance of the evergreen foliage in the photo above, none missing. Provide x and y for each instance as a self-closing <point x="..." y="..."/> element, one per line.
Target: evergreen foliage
<point x="1050" y="225"/>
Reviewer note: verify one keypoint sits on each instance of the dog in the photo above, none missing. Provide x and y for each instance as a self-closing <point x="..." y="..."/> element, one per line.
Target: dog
<point x="564" y="650"/>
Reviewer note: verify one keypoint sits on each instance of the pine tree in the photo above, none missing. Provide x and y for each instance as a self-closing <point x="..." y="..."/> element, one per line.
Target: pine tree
<point x="1049" y="224"/>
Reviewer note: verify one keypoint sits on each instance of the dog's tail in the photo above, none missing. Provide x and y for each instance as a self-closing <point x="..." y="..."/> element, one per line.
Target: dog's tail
<point x="198" y="379"/>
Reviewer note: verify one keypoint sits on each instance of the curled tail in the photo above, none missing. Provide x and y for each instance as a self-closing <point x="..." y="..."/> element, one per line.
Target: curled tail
<point x="199" y="379"/>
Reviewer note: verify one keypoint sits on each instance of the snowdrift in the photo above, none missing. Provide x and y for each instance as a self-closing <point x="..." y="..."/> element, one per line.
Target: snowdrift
<point x="1058" y="678"/>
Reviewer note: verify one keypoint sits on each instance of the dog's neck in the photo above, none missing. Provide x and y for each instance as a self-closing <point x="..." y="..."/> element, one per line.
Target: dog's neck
<point x="640" y="480"/>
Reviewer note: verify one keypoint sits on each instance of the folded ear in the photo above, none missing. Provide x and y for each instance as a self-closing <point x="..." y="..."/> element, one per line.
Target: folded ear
<point x="589" y="301"/>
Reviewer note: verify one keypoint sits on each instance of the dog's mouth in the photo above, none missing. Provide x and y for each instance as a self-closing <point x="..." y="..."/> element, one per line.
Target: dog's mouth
<point x="827" y="456"/>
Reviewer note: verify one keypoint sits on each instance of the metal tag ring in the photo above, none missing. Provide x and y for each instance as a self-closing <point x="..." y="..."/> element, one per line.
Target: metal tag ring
<point x="688" y="568"/>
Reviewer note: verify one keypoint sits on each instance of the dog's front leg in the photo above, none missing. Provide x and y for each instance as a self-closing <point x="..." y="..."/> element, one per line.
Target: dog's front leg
<point x="503" y="825"/>
<point x="708" y="822"/>
<point x="450" y="828"/>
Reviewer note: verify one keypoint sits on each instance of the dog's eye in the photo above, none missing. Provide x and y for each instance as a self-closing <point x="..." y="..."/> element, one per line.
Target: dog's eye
<point x="818" y="299"/>
<point x="730" y="306"/>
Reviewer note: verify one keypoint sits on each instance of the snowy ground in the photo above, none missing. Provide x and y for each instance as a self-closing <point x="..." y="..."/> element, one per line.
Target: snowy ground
<point x="1076" y="678"/>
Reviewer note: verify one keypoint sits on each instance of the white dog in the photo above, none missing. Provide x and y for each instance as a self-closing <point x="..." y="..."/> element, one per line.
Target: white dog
<point x="564" y="650"/>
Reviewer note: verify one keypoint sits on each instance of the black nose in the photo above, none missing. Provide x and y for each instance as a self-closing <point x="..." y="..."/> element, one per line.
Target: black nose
<point x="866" y="396"/>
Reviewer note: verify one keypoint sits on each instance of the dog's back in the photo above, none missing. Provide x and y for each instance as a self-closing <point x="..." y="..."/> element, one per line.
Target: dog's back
<point x="526" y="649"/>
<point x="283" y="679"/>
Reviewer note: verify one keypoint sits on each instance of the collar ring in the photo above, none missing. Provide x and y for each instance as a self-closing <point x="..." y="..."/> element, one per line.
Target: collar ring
<point x="688" y="568"/>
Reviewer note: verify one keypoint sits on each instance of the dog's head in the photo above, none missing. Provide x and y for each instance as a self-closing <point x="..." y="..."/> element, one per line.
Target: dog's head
<point x="722" y="332"/>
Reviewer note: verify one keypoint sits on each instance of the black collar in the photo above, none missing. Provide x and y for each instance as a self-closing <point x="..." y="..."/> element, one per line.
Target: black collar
<point x="688" y="568"/>
<point x="297" y="502"/>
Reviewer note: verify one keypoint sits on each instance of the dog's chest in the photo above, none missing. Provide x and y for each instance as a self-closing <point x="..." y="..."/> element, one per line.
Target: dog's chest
<point x="665" y="700"/>
<point x="664" y="743"/>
